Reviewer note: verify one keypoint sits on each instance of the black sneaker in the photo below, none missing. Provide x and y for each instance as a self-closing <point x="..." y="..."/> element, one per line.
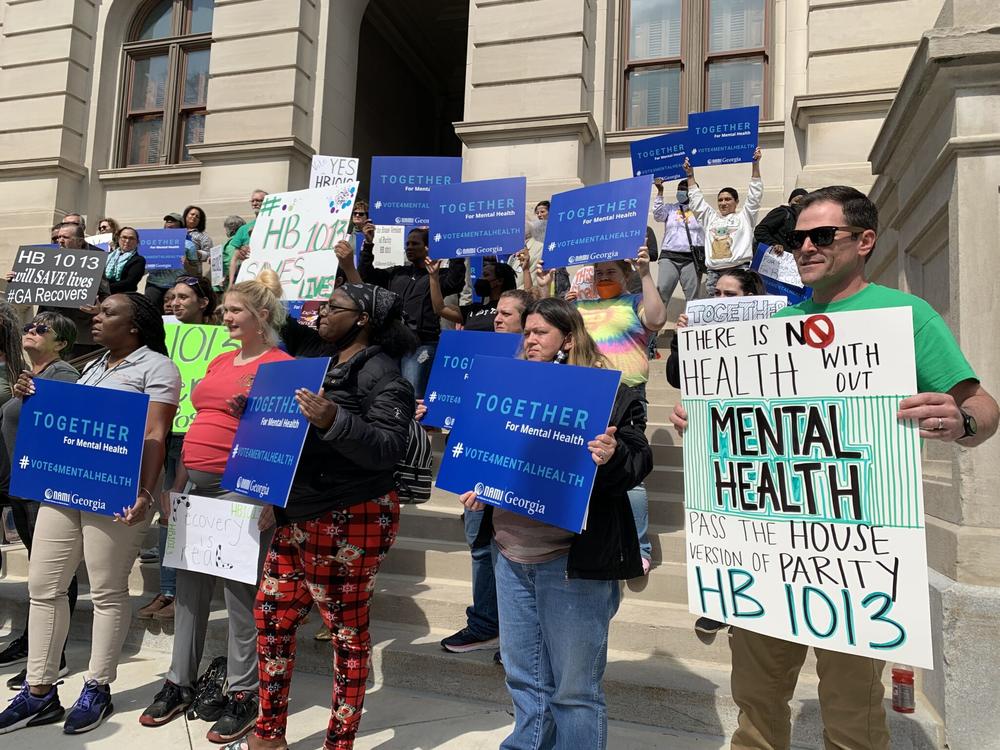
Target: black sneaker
<point x="17" y="681"/>
<point x="16" y="651"/>
<point x="708" y="626"/>
<point x="238" y="719"/>
<point x="168" y="703"/>
<point x="27" y="710"/>
<point x="465" y="640"/>
<point x="210" y="698"/>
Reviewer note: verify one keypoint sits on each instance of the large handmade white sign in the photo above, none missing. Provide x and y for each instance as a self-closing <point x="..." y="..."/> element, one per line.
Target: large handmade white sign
<point x="295" y="234"/>
<point x="803" y="495"/>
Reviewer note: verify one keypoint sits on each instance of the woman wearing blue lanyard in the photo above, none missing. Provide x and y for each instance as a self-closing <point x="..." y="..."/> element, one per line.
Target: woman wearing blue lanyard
<point x="132" y="330"/>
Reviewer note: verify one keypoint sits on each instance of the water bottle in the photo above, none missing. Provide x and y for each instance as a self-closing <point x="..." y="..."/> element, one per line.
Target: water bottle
<point x="903" y="699"/>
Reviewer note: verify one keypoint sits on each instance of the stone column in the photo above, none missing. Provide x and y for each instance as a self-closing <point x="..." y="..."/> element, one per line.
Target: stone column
<point x="46" y="60"/>
<point x="528" y="104"/>
<point x="937" y="158"/>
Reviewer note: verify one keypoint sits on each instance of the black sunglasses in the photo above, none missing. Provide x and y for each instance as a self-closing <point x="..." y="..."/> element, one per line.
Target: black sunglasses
<point x="819" y="236"/>
<point x="359" y="213"/>
<point x="40" y="328"/>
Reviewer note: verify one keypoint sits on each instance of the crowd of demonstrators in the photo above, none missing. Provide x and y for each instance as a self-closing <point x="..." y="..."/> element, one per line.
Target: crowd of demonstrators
<point x="557" y="591"/>
<point x="683" y="241"/>
<point x="543" y="595"/>
<point x="729" y="230"/>
<point x="40" y="349"/>
<point x="835" y="235"/>
<point x="411" y="283"/>
<point x="482" y="625"/>
<point x="253" y="315"/>
<point x="132" y="331"/>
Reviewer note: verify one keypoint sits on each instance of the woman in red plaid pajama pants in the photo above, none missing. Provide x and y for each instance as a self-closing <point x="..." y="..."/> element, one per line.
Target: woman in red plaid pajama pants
<point x="342" y="512"/>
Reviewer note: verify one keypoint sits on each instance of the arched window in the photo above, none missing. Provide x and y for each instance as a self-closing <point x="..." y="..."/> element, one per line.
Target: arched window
<point x="166" y="81"/>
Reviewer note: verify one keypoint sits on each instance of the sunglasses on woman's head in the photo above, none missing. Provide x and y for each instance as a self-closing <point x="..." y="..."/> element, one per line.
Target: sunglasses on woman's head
<point x="40" y="328"/>
<point x="819" y="236"/>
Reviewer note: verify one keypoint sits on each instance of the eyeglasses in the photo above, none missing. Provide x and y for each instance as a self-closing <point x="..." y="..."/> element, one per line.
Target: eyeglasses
<point x="819" y="236"/>
<point x="359" y="213"/>
<point x="192" y="281"/>
<point x="104" y="228"/>
<point x="326" y="308"/>
<point x="40" y="328"/>
<point x="129" y="237"/>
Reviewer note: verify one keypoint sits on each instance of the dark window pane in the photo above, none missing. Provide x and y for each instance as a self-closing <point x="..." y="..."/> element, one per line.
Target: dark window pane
<point x="196" y="78"/>
<point x="193" y="131"/>
<point x="159" y="23"/>
<point x="201" y="16"/>
<point x="144" y="140"/>
<point x="654" y="97"/>
<point x="735" y="25"/>
<point x="149" y="83"/>
<point x="735" y="83"/>
<point x="656" y="29"/>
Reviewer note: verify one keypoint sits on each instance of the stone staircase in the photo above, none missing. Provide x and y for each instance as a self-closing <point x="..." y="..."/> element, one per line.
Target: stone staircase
<point x="658" y="673"/>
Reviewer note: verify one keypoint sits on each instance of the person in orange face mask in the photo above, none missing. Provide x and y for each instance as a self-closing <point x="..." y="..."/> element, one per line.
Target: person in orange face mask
<point x="621" y="324"/>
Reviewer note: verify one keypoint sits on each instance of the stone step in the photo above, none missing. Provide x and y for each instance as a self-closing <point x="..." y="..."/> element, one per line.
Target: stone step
<point x="658" y="689"/>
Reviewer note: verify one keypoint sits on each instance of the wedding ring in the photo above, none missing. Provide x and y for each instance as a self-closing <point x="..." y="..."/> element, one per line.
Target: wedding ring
<point x="940" y="423"/>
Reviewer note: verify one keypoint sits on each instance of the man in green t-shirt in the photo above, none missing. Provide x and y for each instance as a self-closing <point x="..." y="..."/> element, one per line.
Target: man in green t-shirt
<point x="834" y="236"/>
<point x="239" y="243"/>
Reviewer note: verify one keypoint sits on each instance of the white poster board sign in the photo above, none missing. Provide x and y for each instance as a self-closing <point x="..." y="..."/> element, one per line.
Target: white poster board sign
<point x="215" y="262"/>
<point x="213" y="536"/>
<point x="803" y="493"/>
<point x="332" y="170"/>
<point x="295" y="234"/>
<point x="780" y="267"/>
<point x="389" y="246"/>
<point x="714" y="310"/>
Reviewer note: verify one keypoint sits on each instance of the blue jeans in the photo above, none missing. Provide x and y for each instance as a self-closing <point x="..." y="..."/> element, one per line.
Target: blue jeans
<point x="482" y="615"/>
<point x="554" y="643"/>
<point x="639" y="500"/>
<point x="416" y="367"/>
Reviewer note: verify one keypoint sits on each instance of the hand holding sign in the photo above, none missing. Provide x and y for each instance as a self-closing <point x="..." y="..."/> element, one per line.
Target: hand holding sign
<point x="319" y="411"/>
<point x="603" y="447"/>
<point x="937" y="414"/>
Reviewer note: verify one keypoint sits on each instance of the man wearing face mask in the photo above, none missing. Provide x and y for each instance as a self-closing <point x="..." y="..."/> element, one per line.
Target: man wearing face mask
<point x="682" y="234"/>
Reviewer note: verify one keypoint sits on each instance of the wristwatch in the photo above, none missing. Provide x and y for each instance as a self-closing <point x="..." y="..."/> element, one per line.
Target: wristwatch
<point x="969" y="423"/>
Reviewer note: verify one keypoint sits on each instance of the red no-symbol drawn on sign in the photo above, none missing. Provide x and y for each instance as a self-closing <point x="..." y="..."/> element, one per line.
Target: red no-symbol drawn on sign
<point x="818" y="331"/>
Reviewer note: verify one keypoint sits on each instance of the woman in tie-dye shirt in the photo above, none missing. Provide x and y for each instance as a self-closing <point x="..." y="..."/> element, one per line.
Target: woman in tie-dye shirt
<point x="621" y="324"/>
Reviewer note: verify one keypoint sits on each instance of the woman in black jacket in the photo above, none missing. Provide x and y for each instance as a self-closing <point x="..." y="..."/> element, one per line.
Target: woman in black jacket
<point x="342" y="512"/>
<point x="557" y="591"/>
<point x="124" y="268"/>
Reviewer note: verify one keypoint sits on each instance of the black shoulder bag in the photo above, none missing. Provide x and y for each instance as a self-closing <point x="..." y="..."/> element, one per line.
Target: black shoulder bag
<point x="697" y="251"/>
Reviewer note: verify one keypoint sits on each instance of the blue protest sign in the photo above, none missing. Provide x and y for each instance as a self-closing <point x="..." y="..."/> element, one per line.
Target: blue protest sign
<point x="520" y="437"/>
<point x="660" y="156"/>
<point x="475" y="271"/>
<point x="401" y="186"/>
<point x="478" y="218"/>
<point x="456" y="354"/>
<point x="600" y="222"/>
<point x="163" y="249"/>
<point x="723" y="136"/>
<point x="779" y="274"/>
<point x="269" y="440"/>
<point x="80" y="447"/>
